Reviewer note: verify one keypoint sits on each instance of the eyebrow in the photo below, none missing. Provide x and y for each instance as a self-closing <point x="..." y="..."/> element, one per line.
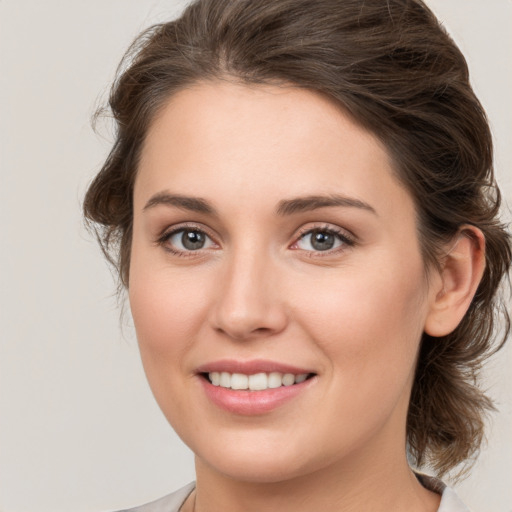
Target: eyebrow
<point x="193" y="204"/>
<point x="309" y="203"/>
<point x="285" y="207"/>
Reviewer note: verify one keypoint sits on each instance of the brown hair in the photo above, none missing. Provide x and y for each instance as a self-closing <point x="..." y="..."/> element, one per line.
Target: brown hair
<point x="395" y="70"/>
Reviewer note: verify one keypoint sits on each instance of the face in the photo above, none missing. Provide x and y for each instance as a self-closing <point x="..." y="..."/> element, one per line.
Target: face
<point x="276" y="282"/>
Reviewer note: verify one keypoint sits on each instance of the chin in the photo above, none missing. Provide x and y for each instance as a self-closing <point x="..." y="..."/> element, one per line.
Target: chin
<point x="262" y="472"/>
<point x="257" y="464"/>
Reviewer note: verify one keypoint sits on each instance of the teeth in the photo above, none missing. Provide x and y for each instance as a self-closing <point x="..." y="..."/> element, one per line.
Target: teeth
<point x="275" y="380"/>
<point x="225" y="380"/>
<point x="301" y="378"/>
<point x="258" y="381"/>
<point x="255" y="382"/>
<point x="240" y="381"/>
<point x="288" y="379"/>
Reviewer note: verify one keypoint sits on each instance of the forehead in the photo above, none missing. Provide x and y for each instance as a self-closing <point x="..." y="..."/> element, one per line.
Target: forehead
<point x="223" y="114"/>
<point x="240" y="140"/>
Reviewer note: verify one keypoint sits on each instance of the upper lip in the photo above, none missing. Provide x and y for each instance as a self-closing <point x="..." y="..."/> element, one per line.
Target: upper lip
<point x="250" y="367"/>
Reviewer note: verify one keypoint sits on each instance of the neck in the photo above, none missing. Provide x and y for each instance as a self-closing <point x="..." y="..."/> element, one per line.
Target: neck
<point x="366" y="486"/>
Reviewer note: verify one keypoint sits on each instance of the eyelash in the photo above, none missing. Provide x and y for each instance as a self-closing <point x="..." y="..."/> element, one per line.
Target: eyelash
<point x="346" y="239"/>
<point x="163" y="240"/>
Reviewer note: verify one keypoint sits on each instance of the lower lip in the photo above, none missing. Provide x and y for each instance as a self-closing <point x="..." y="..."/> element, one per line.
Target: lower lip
<point x="252" y="402"/>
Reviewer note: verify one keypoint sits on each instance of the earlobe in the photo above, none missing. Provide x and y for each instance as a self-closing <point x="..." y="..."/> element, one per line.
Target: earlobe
<point x="461" y="271"/>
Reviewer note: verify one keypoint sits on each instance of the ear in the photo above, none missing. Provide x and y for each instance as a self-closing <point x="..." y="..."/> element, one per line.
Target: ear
<point x="461" y="271"/>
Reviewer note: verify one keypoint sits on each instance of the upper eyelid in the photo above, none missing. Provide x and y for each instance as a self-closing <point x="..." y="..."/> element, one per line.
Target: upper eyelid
<point x="331" y="228"/>
<point x="347" y="238"/>
<point x="192" y="226"/>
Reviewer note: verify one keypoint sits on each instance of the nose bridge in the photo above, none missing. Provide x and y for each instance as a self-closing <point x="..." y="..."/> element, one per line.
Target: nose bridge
<point x="248" y="303"/>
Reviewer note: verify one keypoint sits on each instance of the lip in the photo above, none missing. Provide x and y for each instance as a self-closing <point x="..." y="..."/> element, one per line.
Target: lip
<point x="251" y="403"/>
<point x="250" y="367"/>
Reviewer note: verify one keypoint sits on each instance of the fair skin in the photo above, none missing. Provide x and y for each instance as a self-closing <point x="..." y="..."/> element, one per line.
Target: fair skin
<point x="268" y="226"/>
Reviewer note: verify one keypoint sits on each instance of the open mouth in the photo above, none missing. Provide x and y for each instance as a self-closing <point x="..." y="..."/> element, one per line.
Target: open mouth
<point x="255" y="382"/>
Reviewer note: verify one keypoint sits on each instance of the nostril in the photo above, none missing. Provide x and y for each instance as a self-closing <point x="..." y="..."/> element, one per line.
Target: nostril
<point x="262" y="330"/>
<point x="238" y="332"/>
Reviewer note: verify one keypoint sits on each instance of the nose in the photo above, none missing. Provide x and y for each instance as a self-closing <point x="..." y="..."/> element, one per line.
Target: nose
<point x="249" y="303"/>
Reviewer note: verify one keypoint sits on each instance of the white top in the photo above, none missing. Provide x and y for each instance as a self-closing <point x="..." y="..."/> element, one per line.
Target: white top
<point x="450" y="502"/>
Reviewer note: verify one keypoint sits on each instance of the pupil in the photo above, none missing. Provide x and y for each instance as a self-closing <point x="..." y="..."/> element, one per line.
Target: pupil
<point x="322" y="241"/>
<point x="192" y="240"/>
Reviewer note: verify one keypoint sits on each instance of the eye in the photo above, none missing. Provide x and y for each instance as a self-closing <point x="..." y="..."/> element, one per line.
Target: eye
<point x="185" y="240"/>
<point x="322" y="240"/>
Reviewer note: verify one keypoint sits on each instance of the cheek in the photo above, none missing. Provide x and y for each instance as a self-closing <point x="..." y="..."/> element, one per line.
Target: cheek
<point x="167" y="307"/>
<point x="370" y="336"/>
<point x="167" y="314"/>
<point x="369" y="324"/>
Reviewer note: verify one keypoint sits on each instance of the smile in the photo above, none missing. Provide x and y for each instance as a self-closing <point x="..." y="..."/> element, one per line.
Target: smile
<point x="253" y="387"/>
<point x="256" y="382"/>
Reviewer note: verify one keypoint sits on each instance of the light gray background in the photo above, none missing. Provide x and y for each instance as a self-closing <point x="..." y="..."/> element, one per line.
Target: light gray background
<point x="79" y="429"/>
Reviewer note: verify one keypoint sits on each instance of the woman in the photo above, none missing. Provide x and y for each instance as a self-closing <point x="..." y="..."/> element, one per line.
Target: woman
<point x="300" y="202"/>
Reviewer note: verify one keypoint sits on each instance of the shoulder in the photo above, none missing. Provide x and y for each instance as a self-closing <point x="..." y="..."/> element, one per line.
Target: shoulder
<point x="450" y="502"/>
<point x="170" y="503"/>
